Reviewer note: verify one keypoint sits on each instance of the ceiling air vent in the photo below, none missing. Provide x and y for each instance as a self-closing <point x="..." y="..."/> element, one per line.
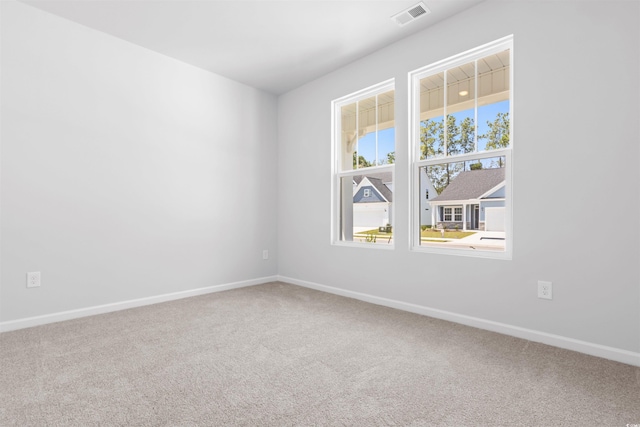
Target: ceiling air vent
<point x="410" y="14"/>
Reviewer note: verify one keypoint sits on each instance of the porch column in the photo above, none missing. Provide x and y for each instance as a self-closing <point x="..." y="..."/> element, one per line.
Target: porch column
<point x="346" y="215"/>
<point x="434" y="222"/>
<point x="464" y="217"/>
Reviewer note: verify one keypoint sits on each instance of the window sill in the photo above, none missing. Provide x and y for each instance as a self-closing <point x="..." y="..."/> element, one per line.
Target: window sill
<point x="467" y="251"/>
<point x="368" y="245"/>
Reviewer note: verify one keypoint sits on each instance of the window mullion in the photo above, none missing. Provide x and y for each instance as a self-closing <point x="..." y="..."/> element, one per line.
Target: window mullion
<point x="463" y="157"/>
<point x="444" y="116"/>
<point x="357" y="136"/>
<point x="377" y="117"/>
<point x="475" y="106"/>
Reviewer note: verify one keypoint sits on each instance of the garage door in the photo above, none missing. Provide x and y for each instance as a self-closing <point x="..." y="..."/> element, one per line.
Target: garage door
<point x="494" y="219"/>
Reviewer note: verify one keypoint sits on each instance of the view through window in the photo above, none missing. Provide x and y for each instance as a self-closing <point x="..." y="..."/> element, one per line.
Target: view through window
<point x="364" y="158"/>
<point x="462" y="143"/>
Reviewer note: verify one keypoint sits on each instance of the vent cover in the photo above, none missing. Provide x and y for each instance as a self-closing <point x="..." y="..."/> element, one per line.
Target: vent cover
<point x="410" y="14"/>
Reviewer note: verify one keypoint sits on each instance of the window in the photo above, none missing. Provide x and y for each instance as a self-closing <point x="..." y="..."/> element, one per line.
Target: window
<point x="363" y="132"/>
<point x="461" y="143"/>
<point x="447" y="214"/>
<point x="451" y="213"/>
<point x="457" y="214"/>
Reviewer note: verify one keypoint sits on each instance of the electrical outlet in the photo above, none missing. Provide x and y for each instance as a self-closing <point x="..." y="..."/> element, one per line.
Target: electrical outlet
<point x="265" y="254"/>
<point x="33" y="279"/>
<point x="545" y="289"/>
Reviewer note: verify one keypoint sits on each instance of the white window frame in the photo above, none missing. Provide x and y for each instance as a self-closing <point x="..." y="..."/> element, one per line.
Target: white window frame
<point x="415" y="163"/>
<point x="336" y="172"/>
<point x="455" y="213"/>
<point x="453" y="216"/>
<point x="449" y="213"/>
<point x="367" y="192"/>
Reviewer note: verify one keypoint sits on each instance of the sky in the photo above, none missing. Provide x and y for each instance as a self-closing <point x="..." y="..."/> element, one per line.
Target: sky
<point x="386" y="137"/>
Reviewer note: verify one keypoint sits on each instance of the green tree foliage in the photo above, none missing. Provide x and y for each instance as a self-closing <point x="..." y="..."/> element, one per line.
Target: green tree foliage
<point x="431" y="138"/>
<point x="459" y="140"/>
<point x="362" y="162"/>
<point x="498" y="135"/>
<point x="391" y="158"/>
<point x="467" y="131"/>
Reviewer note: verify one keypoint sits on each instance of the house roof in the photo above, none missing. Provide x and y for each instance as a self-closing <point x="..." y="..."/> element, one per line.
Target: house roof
<point x="471" y="184"/>
<point x="383" y="176"/>
<point x="379" y="183"/>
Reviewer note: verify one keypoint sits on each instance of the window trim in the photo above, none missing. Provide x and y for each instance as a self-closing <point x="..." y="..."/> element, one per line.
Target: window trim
<point x="337" y="174"/>
<point x="415" y="163"/>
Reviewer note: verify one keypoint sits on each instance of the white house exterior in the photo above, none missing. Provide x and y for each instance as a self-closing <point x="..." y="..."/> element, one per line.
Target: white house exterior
<point x="474" y="200"/>
<point x="427" y="193"/>
<point x="372" y="201"/>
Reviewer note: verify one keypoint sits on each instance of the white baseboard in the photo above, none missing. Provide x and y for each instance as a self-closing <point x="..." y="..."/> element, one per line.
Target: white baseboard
<point x="611" y="353"/>
<point x="28" y="322"/>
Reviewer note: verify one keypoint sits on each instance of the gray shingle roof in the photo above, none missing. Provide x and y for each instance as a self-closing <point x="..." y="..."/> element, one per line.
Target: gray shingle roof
<point x="471" y="184"/>
<point x="382" y="189"/>
<point x="378" y="180"/>
<point x="383" y="176"/>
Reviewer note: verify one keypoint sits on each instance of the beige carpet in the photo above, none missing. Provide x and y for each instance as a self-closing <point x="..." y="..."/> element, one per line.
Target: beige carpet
<point x="281" y="355"/>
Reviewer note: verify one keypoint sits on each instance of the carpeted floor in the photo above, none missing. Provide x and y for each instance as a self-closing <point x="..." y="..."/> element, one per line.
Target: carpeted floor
<point x="282" y="355"/>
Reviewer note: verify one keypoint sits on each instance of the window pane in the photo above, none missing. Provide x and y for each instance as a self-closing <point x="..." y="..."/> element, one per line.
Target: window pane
<point x="348" y="120"/>
<point x="386" y="128"/>
<point x="493" y="101"/>
<point x="463" y="112"/>
<point x="468" y="206"/>
<point x="460" y="132"/>
<point x="432" y="116"/>
<point x="372" y="122"/>
<point x="367" y="123"/>
<point x="367" y="202"/>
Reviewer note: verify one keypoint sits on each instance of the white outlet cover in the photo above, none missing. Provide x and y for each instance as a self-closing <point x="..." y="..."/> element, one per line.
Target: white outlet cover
<point x="545" y="289"/>
<point x="33" y="279"/>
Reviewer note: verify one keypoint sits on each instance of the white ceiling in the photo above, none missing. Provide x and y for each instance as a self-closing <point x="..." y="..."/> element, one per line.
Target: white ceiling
<point x="274" y="45"/>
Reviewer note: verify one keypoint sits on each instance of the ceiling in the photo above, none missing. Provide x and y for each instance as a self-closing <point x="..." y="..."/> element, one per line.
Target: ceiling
<point x="274" y="45"/>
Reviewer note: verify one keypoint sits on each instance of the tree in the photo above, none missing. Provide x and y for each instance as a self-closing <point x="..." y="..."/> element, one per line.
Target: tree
<point x="391" y="158"/>
<point x="441" y="175"/>
<point x="498" y="134"/>
<point x="362" y="162"/>
<point x="431" y="138"/>
<point x="465" y="144"/>
<point x="475" y="166"/>
<point x="459" y="140"/>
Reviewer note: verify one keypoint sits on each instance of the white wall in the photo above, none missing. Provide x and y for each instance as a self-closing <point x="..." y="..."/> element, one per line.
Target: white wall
<point x="125" y="174"/>
<point x="576" y="138"/>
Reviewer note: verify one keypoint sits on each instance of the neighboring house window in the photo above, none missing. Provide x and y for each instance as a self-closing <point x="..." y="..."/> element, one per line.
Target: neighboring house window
<point x="452" y="214"/>
<point x="461" y="145"/>
<point x="447" y="214"/>
<point x="363" y="133"/>
<point x="457" y="214"/>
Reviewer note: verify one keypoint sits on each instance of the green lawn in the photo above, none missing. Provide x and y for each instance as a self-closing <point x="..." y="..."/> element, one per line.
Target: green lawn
<point x="375" y="232"/>
<point x="428" y="233"/>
